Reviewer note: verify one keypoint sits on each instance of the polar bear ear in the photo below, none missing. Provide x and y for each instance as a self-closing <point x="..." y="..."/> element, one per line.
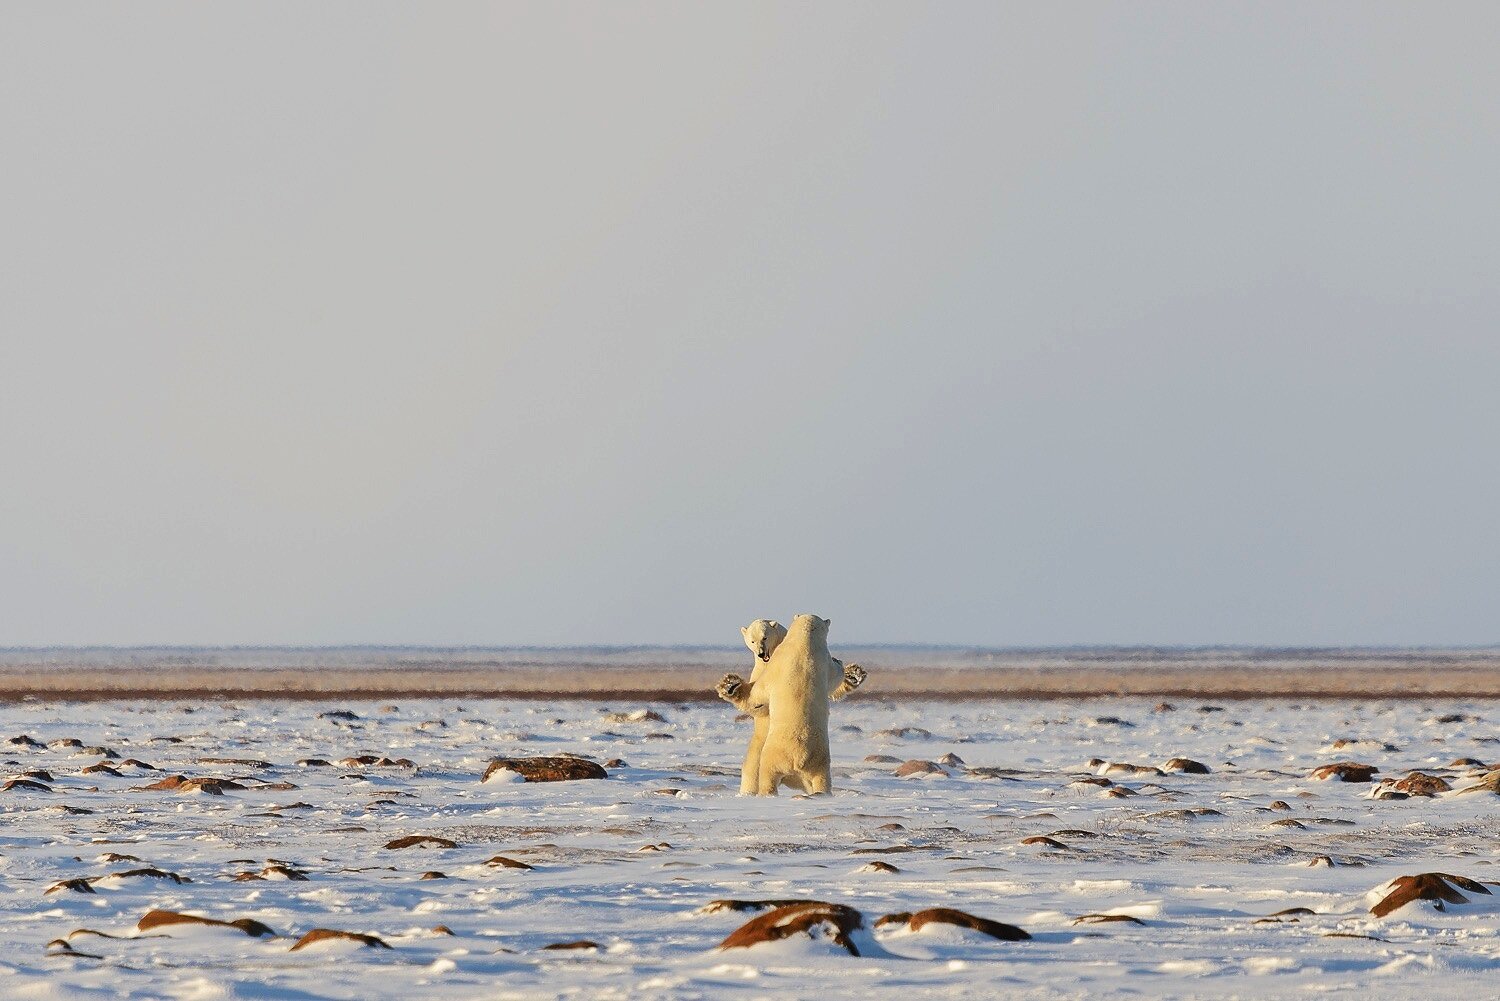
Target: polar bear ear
<point x="745" y="633"/>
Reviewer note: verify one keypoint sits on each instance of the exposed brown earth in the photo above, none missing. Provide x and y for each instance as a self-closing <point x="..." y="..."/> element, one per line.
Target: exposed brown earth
<point x="1419" y="784"/>
<point x="181" y="783"/>
<point x="582" y="943"/>
<point x="813" y="919"/>
<point x="548" y="769"/>
<point x="75" y="885"/>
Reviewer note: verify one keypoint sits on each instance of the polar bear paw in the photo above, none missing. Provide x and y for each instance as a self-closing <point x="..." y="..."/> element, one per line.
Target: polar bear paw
<point x="729" y="686"/>
<point x="854" y="675"/>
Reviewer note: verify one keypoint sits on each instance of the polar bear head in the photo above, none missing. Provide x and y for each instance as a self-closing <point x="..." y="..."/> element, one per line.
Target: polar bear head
<point x="763" y="636"/>
<point x="809" y="627"/>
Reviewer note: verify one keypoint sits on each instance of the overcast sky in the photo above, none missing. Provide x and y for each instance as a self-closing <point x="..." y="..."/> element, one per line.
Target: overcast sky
<point x="551" y="323"/>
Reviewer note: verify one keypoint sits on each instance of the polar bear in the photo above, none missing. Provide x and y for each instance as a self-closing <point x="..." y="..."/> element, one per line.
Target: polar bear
<point x="797" y="684"/>
<point x="763" y="636"/>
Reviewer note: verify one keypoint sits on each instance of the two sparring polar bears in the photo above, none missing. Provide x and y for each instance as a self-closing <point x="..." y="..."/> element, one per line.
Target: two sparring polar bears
<point x="787" y="697"/>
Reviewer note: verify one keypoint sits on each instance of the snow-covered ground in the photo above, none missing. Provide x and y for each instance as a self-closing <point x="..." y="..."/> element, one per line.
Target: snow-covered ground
<point x="630" y="862"/>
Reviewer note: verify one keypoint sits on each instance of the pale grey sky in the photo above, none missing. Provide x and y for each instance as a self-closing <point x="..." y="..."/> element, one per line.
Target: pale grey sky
<point x="547" y="323"/>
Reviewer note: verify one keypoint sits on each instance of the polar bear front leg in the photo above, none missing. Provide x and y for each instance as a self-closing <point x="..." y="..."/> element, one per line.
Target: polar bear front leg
<point x="750" y="770"/>
<point x="741" y="694"/>
<point x="851" y="678"/>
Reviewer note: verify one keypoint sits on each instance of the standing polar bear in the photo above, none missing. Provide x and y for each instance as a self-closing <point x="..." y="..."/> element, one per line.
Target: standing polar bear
<point x="795" y="683"/>
<point x="763" y="636"/>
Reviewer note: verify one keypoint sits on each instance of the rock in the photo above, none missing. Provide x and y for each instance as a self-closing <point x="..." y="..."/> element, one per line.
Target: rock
<point x="1288" y="822"/>
<point x="420" y="841"/>
<point x="1163" y="707"/>
<point x="148" y="873"/>
<point x="1099" y="919"/>
<point x="342" y="714"/>
<point x="1467" y="763"/>
<point x="501" y="862"/>
<point x="433" y="874"/>
<point x="246" y="762"/>
<point x="102" y="768"/>
<point x="616" y="763"/>
<point x="1344" y="771"/>
<point x="334" y="935"/>
<point x="961" y="919"/>
<point x="917" y="766"/>
<point x="1490" y="783"/>
<point x="377" y="761"/>
<point x="1187" y="765"/>
<point x="181" y="783"/>
<point x="1279" y="804"/>
<point x="582" y="943"/>
<point x="138" y="763"/>
<point x="638" y="716"/>
<point x="279" y="871"/>
<point x="717" y="906"/>
<point x="166" y="919"/>
<point x="882" y="759"/>
<point x="40" y="774"/>
<point x="1418" y="784"/>
<point x="1046" y="843"/>
<point x="902" y="733"/>
<point x="1111" y="721"/>
<point x="817" y="920"/>
<point x="1439" y="887"/>
<point x="75" y="885"/>
<point x="24" y="740"/>
<point x="877" y="866"/>
<point x="29" y="784"/>
<point x="951" y="760"/>
<point x="547" y="769"/>
<point x="63" y="742"/>
<point x="315" y="763"/>
<point x="1126" y="768"/>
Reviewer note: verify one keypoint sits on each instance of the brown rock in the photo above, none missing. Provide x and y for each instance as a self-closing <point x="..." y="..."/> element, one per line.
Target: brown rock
<point x="149" y="873"/>
<point x="181" y="783"/>
<point x="1490" y="783"/>
<point x="904" y="733"/>
<point x="40" y="774"/>
<point x="616" y="763"/>
<point x="1466" y="763"/>
<point x="421" y="841"/>
<point x="1420" y="784"/>
<point x="441" y="930"/>
<point x="812" y="918"/>
<point x="1439" y="887"/>
<point x="878" y="866"/>
<point x="501" y="862"/>
<point x="24" y="741"/>
<point x="1345" y="771"/>
<point x="962" y="919"/>
<point x="582" y="943"/>
<point x="165" y="919"/>
<point x="75" y="885"/>
<point x="333" y="934"/>
<point x="548" y="769"/>
<point x="917" y="766"/>
<point x="30" y="784"/>
<point x="1099" y="919"/>
<point x="882" y="759"/>
<point x="433" y="874"/>
<point x="1046" y="843"/>
<point x="137" y="763"/>
<point x="315" y="763"/>
<point x="1187" y="765"/>
<point x="717" y="906"/>
<point x="951" y="760"/>
<point x="102" y="768"/>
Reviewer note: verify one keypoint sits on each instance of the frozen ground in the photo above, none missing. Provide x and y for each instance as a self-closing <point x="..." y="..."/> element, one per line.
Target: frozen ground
<point x="629" y="861"/>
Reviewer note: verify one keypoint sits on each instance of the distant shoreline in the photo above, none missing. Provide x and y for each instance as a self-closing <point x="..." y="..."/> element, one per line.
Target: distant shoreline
<point x="689" y="674"/>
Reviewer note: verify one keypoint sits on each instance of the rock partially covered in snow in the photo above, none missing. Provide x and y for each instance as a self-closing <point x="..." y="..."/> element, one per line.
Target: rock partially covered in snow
<point x="813" y="921"/>
<point x="546" y="769"/>
<point x="1440" y="888"/>
<point x="946" y="917"/>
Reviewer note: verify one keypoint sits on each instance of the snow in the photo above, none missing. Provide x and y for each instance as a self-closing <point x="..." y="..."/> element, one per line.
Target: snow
<point x="628" y="862"/>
